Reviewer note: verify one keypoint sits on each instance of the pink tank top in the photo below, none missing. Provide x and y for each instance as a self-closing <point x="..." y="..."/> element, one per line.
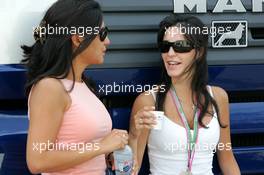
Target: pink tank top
<point x="86" y="121"/>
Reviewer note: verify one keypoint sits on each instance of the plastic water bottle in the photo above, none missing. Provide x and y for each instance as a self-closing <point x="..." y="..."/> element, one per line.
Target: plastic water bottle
<point x="123" y="161"/>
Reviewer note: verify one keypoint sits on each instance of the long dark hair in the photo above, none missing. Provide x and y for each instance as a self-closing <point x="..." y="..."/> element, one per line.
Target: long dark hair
<point x="199" y="78"/>
<point x="52" y="55"/>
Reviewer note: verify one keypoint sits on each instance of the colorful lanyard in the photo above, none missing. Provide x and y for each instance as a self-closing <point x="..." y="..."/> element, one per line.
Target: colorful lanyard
<point x="191" y="139"/>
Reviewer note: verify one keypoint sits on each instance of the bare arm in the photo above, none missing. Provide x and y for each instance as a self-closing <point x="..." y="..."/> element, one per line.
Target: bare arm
<point x="139" y="132"/>
<point x="225" y="154"/>
<point x="48" y="103"/>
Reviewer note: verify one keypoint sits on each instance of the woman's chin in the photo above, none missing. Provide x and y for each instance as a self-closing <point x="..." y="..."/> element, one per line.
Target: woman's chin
<point x="174" y="73"/>
<point x="101" y="61"/>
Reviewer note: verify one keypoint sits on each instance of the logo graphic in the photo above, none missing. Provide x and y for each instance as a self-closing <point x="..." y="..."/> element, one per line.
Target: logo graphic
<point x="125" y="167"/>
<point x="235" y="34"/>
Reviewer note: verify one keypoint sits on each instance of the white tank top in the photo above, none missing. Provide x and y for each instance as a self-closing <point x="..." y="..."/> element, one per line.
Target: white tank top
<point x="167" y="148"/>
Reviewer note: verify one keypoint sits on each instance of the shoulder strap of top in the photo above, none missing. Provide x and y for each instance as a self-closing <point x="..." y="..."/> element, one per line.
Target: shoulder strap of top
<point x="154" y="94"/>
<point x="210" y="90"/>
<point x="212" y="95"/>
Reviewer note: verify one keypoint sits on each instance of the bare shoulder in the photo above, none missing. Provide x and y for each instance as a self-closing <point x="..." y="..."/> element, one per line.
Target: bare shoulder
<point x="145" y="99"/>
<point x="49" y="89"/>
<point x="47" y="84"/>
<point x="220" y="95"/>
<point x="148" y="98"/>
<point x="222" y="101"/>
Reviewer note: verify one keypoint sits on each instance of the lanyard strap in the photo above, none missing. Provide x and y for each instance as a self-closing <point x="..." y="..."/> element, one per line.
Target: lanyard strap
<point x="191" y="139"/>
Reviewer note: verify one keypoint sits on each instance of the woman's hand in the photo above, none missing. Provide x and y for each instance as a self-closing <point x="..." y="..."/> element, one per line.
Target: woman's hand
<point x="144" y="118"/>
<point x="116" y="140"/>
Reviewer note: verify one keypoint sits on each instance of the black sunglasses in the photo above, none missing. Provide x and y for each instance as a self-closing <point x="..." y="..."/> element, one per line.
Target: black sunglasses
<point x="181" y="46"/>
<point x="103" y="33"/>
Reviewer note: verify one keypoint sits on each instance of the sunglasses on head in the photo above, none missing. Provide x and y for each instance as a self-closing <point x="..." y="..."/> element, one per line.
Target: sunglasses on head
<point x="103" y="33"/>
<point x="180" y="46"/>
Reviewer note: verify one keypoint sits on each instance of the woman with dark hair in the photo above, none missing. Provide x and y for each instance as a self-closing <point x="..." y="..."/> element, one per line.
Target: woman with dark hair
<point x="196" y="115"/>
<point x="69" y="129"/>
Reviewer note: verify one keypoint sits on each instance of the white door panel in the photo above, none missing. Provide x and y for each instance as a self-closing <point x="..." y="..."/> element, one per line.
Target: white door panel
<point x="18" y="18"/>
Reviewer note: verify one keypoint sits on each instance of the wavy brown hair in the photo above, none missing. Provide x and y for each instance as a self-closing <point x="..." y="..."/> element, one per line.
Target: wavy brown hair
<point x="199" y="79"/>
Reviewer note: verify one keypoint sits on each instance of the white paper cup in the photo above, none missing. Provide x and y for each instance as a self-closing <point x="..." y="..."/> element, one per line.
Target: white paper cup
<point x="159" y="119"/>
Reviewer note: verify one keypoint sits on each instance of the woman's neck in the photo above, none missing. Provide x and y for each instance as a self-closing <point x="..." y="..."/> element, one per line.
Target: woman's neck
<point x="183" y="88"/>
<point x="181" y="83"/>
<point x="78" y="71"/>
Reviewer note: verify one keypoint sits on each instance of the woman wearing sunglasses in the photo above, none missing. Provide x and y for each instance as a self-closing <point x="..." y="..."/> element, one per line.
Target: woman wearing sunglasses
<point x="196" y="115"/>
<point x="69" y="129"/>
